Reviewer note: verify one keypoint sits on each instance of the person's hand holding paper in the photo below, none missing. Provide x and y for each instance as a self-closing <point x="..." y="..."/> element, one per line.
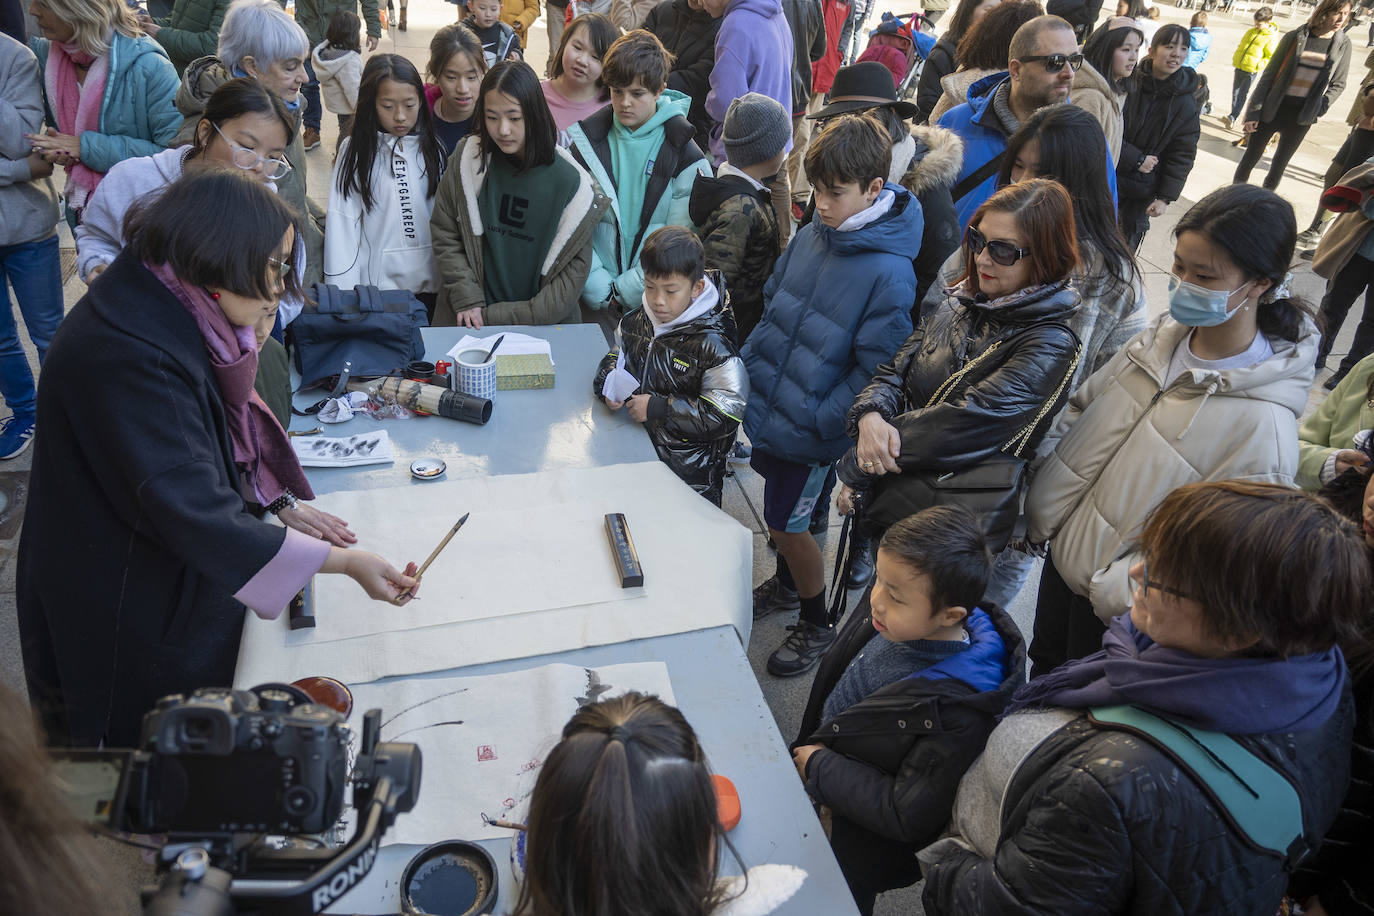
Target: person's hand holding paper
<point x="619" y="384"/>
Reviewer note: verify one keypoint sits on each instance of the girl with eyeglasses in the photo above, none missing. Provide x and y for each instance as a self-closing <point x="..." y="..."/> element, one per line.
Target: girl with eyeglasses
<point x="245" y="128"/>
<point x="1245" y="595"/>
<point x="171" y="461"/>
<point x="1211" y="390"/>
<point x="982" y="377"/>
<point x="1159" y="134"/>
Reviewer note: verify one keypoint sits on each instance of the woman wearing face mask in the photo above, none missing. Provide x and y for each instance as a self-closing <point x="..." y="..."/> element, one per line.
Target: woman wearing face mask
<point x="1213" y="390"/>
<point x="1160" y="134"/>
<point x="1305" y="75"/>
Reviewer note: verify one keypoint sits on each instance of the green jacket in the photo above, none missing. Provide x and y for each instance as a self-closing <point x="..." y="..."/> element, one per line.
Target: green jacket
<point x="314" y="15"/>
<point x="456" y="232"/>
<point x="1333" y="425"/>
<point x="192" y="30"/>
<point x="666" y="193"/>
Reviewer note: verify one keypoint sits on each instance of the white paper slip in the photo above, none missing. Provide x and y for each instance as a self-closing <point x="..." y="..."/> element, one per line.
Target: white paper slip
<point x="619" y="383"/>
<point x="512" y="345"/>
<point x="343" y="451"/>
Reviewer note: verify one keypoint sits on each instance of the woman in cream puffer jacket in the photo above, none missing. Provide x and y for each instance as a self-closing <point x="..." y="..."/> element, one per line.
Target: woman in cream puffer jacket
<point x="1131" y="434"/>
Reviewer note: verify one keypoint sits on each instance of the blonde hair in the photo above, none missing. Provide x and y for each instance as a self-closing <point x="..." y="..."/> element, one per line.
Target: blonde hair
<point x="93" y="20"/>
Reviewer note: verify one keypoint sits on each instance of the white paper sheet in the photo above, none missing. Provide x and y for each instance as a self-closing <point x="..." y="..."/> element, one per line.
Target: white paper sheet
<point x="343" y="451"/>
<point x="503" y="561"/>
<point x="513" y="345"/>
<point x="485" y="738"/>
<point x="619" y="383"/>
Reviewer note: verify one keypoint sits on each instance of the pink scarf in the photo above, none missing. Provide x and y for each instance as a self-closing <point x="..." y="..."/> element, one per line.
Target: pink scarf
<point x="76" y="106"/>
<point x="261" y="447"/>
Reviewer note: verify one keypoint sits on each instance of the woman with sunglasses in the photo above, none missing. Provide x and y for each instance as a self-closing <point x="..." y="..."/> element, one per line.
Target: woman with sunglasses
<point x="144" y="538"/>
<point x="1242" y="592"/>
<point x="1160" y="131"/>
<point x="982" y="377"/>
<point x="1211" y="390"/>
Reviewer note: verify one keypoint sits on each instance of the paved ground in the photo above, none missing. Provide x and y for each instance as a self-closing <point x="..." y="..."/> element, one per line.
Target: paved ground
<point x="1215" y="166"/>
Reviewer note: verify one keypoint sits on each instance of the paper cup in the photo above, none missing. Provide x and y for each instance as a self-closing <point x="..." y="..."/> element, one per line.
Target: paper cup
<point x="476" y="374"/>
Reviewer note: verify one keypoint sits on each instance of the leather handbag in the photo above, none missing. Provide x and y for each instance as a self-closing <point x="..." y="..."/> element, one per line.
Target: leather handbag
<point x="375" y="331"/>
<point x="991" y="489"/>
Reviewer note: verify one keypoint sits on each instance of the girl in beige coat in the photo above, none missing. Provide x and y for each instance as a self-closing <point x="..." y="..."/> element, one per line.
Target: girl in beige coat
<point x="1209" y="392"/>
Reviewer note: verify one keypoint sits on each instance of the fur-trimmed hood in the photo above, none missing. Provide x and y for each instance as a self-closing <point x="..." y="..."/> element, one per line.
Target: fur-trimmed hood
<point x="939" y="157"/>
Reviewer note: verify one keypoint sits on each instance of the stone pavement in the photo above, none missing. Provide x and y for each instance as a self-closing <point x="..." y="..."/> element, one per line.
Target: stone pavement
<point x="1215" y="165"/>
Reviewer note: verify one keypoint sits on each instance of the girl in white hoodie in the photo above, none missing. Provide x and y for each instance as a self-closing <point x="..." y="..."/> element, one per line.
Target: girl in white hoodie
<point x="382" y="193"/>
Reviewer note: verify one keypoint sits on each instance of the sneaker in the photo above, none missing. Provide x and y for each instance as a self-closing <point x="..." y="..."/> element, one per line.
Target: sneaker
<point x="1307" y="254"/>
<point x="860" y="569"/>
<point x="741" y="453"/>
<point x="16" y="437"/>
<point x="801" y="650"/>
<point x="1309" y="238"/>
<point x="310" y="138"/>
<point x="773" y="596"/>
<point x="1227" y="121"/>
<point x="1330" y="384"/>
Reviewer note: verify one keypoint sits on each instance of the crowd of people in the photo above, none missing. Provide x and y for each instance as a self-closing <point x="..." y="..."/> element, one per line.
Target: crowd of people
<point x="929" y="309"/>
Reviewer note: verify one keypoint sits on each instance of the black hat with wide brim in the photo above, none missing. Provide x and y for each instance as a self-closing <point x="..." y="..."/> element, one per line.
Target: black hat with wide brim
<point x="862" y="86"/>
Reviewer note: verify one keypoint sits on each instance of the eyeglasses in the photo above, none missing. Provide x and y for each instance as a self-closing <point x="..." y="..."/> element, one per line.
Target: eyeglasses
<point x="276" y="269"/>
<point x="248" y="160"/>
<point x="1146" y="583"/>
<point x="1055" y="62"/>
<point x="1004" y="253"/>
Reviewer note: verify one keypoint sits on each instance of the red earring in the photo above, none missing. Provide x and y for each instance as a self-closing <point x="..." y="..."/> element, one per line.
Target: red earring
<point x="214" y="296"/>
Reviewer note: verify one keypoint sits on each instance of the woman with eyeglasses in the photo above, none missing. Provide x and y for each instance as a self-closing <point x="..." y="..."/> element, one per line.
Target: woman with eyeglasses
<point x="144" y="538"/>
<point x="109" y="89"/>
<point x="1212" y="390"/>
<point x="245" y="128"/>
<point x="982" y="377"/>
<point x="1160" y="130"/>
<point x="1096" y="792"/>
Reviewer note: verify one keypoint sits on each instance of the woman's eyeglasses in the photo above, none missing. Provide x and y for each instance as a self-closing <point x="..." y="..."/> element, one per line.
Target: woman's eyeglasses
<point x="1055" y="62"/>
<point x="1146" y="583"/>
<point x="248" y="160"/>
<point x="276" y="269"/>
<point x="1004" y="253"/>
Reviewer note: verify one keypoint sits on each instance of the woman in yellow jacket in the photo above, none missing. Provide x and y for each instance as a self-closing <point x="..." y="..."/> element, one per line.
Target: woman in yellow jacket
<point x="1252" y="56"/>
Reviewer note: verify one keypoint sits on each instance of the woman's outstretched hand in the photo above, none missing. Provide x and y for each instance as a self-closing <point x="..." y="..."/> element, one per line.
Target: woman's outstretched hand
<point x="879" y="445"/>
<point x="309" y="520"/>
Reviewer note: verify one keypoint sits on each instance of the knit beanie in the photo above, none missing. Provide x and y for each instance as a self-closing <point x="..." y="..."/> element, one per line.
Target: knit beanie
<point x="756" y="129"/>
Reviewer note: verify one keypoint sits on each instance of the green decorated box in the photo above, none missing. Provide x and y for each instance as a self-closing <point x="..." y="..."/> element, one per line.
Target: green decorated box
<point x="523" y="370"/>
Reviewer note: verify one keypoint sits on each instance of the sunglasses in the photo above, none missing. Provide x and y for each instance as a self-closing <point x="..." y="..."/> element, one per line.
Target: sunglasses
<point x="1055" y="62"/>
<point x="1004" y="253"/>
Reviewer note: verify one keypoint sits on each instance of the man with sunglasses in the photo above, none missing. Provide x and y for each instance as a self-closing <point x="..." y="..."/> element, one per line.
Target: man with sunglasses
<point x="1043" y="58"/>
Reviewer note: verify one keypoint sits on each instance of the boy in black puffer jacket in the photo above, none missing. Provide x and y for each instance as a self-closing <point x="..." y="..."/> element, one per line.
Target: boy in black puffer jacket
<point x="679" y="346"/>
<point x="905" y="699"/>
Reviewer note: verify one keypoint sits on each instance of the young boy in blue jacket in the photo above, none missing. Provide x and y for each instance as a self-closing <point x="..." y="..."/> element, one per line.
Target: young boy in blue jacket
<point x="837" y="306"/>
<point x="904" y="701"/>
<point x="640" y="150"/>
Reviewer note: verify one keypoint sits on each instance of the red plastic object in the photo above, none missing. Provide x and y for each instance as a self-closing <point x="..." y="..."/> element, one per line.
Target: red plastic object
<point x="727" y="801"/>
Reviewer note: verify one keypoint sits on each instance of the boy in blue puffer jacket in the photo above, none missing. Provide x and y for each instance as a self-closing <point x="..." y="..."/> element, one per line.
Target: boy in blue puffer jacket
<point x="837" y="306"/>
<point x="640" y="150"/>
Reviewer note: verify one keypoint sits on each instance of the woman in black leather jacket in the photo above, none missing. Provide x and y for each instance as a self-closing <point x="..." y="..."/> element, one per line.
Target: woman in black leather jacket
<point x="984" y="375"/>
<point x="1243" y="592"/>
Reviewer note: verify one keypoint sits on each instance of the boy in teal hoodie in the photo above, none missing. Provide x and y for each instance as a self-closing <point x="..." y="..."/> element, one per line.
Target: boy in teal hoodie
<point x="640" y="150"/>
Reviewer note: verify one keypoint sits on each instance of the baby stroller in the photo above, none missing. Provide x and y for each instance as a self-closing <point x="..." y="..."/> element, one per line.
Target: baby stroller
<point x="902" y="44"/>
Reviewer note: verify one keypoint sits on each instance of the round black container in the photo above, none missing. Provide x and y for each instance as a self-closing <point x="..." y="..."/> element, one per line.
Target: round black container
<point x="419" y="370"/>
<point x="452" y="878"/>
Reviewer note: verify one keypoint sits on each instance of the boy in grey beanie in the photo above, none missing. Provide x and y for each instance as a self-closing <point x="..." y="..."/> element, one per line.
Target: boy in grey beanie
<point x="733" y="211"/>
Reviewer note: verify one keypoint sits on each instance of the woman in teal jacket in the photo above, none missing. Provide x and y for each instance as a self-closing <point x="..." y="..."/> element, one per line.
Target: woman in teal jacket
<point x="100" y="40"/>
<point x="660" y="162"/>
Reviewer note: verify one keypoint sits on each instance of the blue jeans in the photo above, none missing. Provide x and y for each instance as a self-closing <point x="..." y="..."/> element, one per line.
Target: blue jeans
<point x="858" y="14"/>
<point x="1240" y="90"/>
<point x="311" y="92"/>
<point x="34" y="269"/>
<point x="1010" y="571"/>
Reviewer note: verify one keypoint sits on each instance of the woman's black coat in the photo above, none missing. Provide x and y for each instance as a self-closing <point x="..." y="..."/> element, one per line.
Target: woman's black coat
<point x="1160" y="118"/>
<point x="135" y="535"/>
<point x="1273" y="84"/>
<point x="1101" y="821"/>
<point x="940" y="63"/>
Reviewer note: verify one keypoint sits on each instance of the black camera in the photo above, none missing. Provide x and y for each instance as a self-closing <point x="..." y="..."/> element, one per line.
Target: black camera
<point x="221" y="769"/>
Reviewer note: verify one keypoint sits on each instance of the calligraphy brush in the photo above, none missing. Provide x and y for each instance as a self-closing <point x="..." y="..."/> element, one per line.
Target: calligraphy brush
<point x="442" y="544"/>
